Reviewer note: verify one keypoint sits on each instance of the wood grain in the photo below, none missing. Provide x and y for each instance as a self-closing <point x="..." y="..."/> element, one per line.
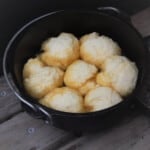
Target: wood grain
<point x="9" y="104"/>
<point x="130" y="135"/>
<point x="23" y="132"/>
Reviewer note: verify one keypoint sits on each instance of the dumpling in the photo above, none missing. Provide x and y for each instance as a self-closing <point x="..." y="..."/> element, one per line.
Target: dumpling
<point x="40" y="79"/>
<point x="101" y="98"/>
<point x="87" y="86"/>
<point x="118" y="73"/>
<point x="78" y="73"/>
<point x="96" y="49"/>
<point x="60" y="51"/>
<point x="64" y="99"/>
<point x="32" y="66"/>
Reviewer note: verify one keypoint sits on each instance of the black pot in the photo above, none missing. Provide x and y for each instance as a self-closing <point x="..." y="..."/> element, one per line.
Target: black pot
<point x="27" y="41"/>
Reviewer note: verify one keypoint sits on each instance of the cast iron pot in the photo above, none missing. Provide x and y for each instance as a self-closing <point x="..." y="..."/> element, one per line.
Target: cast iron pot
<point x="27" y="41"/>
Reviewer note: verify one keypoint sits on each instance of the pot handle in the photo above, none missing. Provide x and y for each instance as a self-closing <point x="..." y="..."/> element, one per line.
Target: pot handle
<point x="37" y="111"/>
<point x="115" y="12"/>
<point x="47" y="116"/>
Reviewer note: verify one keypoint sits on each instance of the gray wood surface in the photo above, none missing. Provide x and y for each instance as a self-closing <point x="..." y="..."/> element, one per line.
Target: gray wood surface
<point x="9" y="105"/>
<point x="23" y="132"/>
<point x="129" y="135"/>
<point x="19" y="131"/>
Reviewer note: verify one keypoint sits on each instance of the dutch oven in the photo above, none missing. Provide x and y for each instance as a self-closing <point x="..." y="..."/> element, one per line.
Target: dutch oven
<point x="105" y="20"/>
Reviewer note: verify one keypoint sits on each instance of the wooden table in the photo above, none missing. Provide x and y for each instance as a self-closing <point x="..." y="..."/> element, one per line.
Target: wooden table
<point x="19" y="131"/>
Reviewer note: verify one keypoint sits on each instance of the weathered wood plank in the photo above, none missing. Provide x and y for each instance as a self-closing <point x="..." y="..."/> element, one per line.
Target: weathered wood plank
<point x="23" y="132"/>
<point x="141" y="21"/>
<point x="9" y="105"/>
<point x="127" y="136"/>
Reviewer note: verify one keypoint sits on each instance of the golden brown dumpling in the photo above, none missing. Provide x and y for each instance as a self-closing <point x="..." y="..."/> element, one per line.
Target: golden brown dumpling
<point x="32" y="66"/>
<point x="60" y="51"/>
<point x="78" y="73"/>
<point x="40" y="79"/>
<point x="95" y="49"/>
<point x="118" y="73"/>
<point x="86" y="87"/>
<point x="101" y="98"/>
<point x="64" y="99"/>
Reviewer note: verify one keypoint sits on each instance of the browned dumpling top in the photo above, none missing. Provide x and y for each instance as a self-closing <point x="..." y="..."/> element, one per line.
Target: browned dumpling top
<point x="60" y="51"/>
<point x="64" y="99"/>
<point x="118" y="73"/>
<point x="96" y="48"/>
<point x="40" y="79"/>
<point x="78" y="73"/>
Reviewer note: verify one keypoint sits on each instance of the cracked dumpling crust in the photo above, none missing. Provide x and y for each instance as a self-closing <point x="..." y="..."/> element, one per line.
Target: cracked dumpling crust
<point x="64" y="99"/>
<point x="101" y="98"/>
<point x="40" y="79"/>
<point x="96" y="49"/>
<point x="86" y="87"/>
<point x="78" y="73"/>
<point x="60" y="51"/>
<point x="118" y="73"/>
